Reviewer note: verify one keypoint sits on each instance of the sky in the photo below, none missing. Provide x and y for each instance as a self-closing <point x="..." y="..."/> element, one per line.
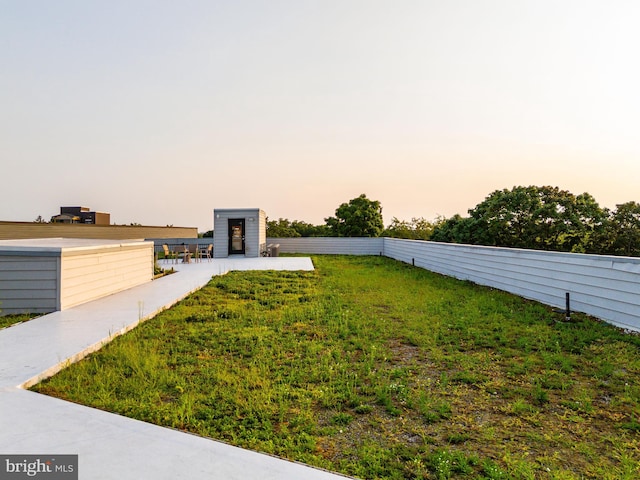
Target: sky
<point x="159" y="111"/>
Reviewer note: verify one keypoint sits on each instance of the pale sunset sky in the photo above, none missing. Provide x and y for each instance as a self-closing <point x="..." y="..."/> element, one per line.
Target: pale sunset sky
<point x="160" y="111"/>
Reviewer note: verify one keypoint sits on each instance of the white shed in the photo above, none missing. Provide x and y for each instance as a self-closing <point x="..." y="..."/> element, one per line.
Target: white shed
<point x="44" y="275"/>
<point x="239" y="231"/>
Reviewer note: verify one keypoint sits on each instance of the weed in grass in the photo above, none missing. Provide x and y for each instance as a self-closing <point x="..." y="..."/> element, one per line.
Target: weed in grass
<point x="539" y="395"/>
<point x="363" y="409"/>
<point x="581" y="401"/>
<point x="441" y="463"/>
<point x="558" y="361"/>
<point x="432" y="408"/>
<point x="341" y="419"/>
<point x="378" y="369"/>
<point x="14" y="319"/>
<point x="458" y="437"/>
<point x="446" y="463"/>
<point x="384" y="397"/>
<point x="554" y="380"/>
<point x="467" y="378"/>
<point x="521" y="406"/>
<point x="632" y="425"/>
<point x="521" y="366"/>
<point x="492" y="471"/>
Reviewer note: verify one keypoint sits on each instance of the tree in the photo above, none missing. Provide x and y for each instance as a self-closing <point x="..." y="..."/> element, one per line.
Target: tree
<point x="620" y="234"/>
<point x="360" y="217"/>
<point x="627" y="222"/>
<point x="416" y="229"/>
<point x="284" y="228"/>
<point x="591" y="219"/>
<point x="281" y="229"/>
<point x="544" y="218"/>
<point x="308" y="230"/>
<point x="456" y="229"/>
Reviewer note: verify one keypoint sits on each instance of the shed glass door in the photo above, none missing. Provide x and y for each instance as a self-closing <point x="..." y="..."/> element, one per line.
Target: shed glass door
<point x="236" y="236"/>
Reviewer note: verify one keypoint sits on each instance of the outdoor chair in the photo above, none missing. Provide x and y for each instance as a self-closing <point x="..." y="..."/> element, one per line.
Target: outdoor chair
<point x="168" y="254"/>
<point x="181" y="251"/>
<point x="193" y="252"/>
<point x="206" y="252"/>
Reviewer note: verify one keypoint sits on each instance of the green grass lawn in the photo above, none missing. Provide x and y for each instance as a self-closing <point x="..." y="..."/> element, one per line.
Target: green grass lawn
<point x="8" y="320"/>
<point x="377" y="369"/>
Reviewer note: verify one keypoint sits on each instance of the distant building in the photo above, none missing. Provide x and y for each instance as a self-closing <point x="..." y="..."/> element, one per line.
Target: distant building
<point x="81" y="215"/>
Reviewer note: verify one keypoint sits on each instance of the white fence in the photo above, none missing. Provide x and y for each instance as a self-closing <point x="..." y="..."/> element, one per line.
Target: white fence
<point x="606" y="287"/>
<point x="331" y="245"/>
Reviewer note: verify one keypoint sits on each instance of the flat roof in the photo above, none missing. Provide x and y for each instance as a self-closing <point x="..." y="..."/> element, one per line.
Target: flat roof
<point x="42" y="245"/>
<point x="248" y="209"/>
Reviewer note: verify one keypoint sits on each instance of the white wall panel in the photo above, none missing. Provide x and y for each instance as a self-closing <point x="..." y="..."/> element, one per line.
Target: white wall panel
<point x="254" y="225"/>
<point x="330" y="245"/>
<point x="86" y="277"/>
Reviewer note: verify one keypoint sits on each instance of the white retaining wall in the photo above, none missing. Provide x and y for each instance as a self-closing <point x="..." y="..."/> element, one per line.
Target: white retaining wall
<point x="607" y="287"/>
<point x="98" y="272"/>
<point x="331" y="245"/>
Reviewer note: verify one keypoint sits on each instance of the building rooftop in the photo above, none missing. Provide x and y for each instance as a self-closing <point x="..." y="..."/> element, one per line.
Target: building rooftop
<point x="57" y="244"/>
<point x="110" y="446"/>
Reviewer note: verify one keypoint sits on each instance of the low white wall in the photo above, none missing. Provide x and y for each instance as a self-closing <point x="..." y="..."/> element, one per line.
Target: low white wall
<point x="87" y="276"/>
<point x="331" y="245"/>
<point x="606" y="287"/>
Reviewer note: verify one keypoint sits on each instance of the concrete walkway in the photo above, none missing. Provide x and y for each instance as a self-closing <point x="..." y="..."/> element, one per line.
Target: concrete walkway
<point x="111" y="446"/>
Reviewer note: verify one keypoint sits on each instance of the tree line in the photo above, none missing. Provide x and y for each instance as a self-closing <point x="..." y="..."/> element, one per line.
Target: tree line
<point x="360" y="217"/>
<point x="541" y="218"/>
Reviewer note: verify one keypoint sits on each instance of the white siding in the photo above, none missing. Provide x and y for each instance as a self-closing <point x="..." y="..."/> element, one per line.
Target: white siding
<point x="220" y="236"/>
<point x="251" y="234"/>
<point x="262" y="231"/>
<point x="254" y="226"/>
<point x="331" y="245"/>
<point x="89" y="276"/>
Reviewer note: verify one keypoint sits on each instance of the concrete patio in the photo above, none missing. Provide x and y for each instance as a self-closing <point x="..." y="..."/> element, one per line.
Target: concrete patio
<point x="110" y="446"/>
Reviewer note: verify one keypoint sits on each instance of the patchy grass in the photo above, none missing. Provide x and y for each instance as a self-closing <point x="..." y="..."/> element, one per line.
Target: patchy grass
<point x="8" y="320"/>
<point x="377" y="369"/>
